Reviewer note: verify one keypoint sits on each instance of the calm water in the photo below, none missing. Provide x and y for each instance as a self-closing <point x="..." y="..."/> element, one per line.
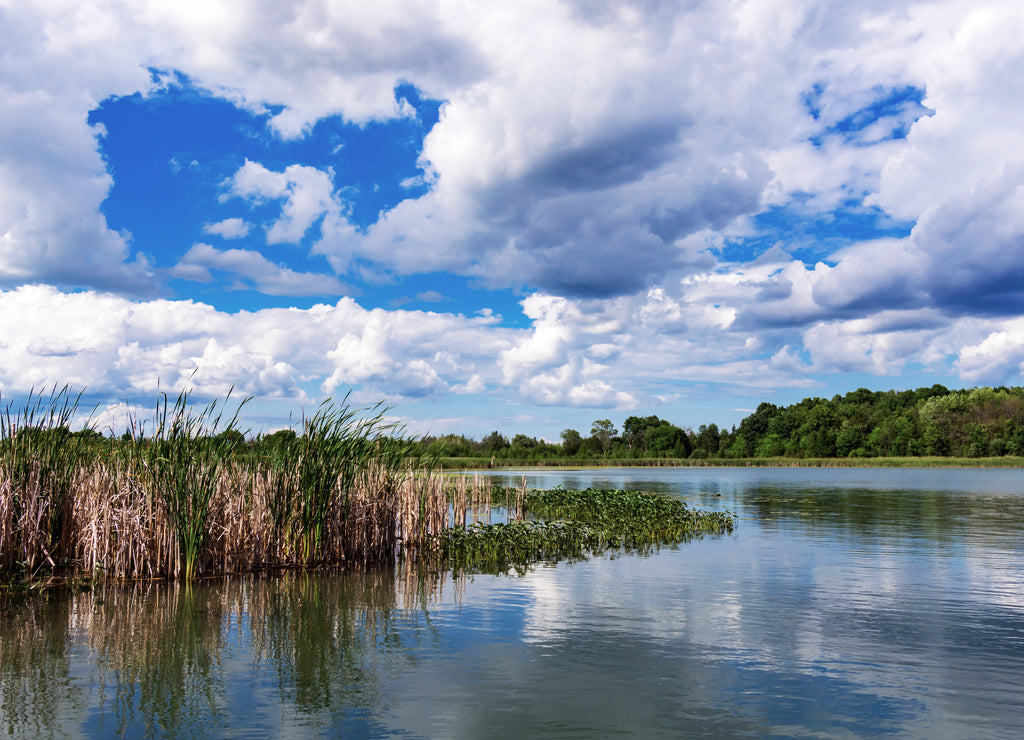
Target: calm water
<point x="848" y="603"/>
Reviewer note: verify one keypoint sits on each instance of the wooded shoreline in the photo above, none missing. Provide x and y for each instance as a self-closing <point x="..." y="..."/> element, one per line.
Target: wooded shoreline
<point x="450" y="463"/>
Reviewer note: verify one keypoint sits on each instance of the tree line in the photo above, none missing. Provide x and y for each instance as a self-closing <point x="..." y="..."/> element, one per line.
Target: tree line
<point x="933" y="421"/>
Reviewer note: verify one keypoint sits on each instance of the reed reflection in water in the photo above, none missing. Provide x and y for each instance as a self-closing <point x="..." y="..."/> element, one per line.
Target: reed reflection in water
<point x="235" y="656"/>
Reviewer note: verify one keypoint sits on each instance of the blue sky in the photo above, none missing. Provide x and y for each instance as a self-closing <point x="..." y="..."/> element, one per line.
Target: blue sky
<point x="521" y="218"/>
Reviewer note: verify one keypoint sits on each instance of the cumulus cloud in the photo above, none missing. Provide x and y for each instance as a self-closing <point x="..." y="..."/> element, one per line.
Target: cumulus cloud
<point x="964" y="257"/>
<point x="998" y="358"/>
<point x="311" y="60"/>
<point x="113" y="345"/>
<point x="551" y="167"/>
<point x="253" y="270"/>
<point x="307" y="194"/>
<point x="58" y="63"/>
<point x="229" y="228"/>
<point x="63" y="59"/>
<point x="959" y="175"/>
<point x="558" y="171"/>
<point x="553" y="320"/>
<point x="605" y="158"/>
<point x="565" y="386"/>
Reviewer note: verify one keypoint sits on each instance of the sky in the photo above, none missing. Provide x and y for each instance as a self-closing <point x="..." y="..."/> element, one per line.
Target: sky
<point x="520" y="216"/>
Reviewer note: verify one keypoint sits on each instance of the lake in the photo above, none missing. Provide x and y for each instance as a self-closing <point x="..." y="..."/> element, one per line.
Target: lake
<point x="846" y="603"/>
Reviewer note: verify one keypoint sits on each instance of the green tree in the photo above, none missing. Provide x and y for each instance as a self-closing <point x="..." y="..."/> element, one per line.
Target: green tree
<point x="978" y="446"/>
<point x="708" y="439"/>
<point x="739" y="447"/>
<point x="232" y="438"/>
<point x="494" y="443"/>
<point x="603" y="431"/>
<point x="571" y="442"/>
<point x="522" y="445"/>
<point x="635" y="429"/>
<point x="770" y="445"/>
<point x="880" y="441"/>
<point x="667" y="438"/>
<point x="848" y="439"/>
<point x="907" y="439"/>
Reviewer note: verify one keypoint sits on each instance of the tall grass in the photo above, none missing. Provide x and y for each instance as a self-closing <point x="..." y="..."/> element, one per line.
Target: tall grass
<point x="339" y="447"/>
<point x="184" y="458"/>
<point x="189" y="495"/>
<point x="193" y="497"/>
<point x="1008" y="461"/>
<point x="40" y="461"/>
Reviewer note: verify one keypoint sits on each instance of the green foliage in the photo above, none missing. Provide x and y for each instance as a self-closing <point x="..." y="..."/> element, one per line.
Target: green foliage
<point x="603" y="431"/>
<point x="184" y="457"/>
<point x="635" y="428"/>
<point x="571" y="442"/>
<point x="931" y="421"/>
<point x="654" y="436"/>
<point x="928" y="421"/>
<point x="41" y="457"/>
<point x="338" y="444"/>
<point x="573" y="524"/>
<point x="495" y="442"/>
<point x="523" y="446"/>
<point x="707" y="441"/>
<point x="667" y="439"/>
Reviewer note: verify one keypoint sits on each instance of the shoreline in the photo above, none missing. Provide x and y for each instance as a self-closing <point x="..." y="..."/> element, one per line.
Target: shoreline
<point x="456" y="464"/>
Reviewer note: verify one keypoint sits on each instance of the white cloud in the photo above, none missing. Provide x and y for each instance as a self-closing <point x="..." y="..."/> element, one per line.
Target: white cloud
<point x="998" y="358"/>
<point x="559" y="171"/>
<point x="308" y="194"/>
<point x="553" y="320"/>
<point x="58" y="63"/>
<point x="112" y="345"/>
<point x="968" y="53"/>
<point x="987" y="351"/>
<point x="474" y="385"/>
<point x="254" y="268"/>
<point x="609" y="357"/>
<point x="317" y="59"/>
<point x="565" y="386"/>
<point x="589" y="149"/>
<point x="550" y="165"/>
<point x="862" y="346"/>
<point x="229" y="228"/>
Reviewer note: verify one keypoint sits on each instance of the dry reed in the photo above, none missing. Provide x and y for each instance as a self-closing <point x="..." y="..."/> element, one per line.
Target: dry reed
<point x="185" y="502"/>
<point x="120" y="527"/>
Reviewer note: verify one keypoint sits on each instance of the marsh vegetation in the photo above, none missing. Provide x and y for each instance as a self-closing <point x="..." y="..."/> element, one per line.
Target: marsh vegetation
<point x="191" y="496"/>
<point x="572" y="524"/>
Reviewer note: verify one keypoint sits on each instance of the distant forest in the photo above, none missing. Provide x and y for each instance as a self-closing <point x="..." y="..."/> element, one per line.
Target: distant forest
<point x="981" y="422"/>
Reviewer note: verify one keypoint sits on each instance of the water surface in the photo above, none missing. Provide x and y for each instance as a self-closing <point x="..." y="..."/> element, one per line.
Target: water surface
<point x="847" y="603"/>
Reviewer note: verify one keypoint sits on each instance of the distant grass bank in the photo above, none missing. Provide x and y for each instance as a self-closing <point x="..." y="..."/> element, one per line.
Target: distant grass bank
<point x="480" y="463"/>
